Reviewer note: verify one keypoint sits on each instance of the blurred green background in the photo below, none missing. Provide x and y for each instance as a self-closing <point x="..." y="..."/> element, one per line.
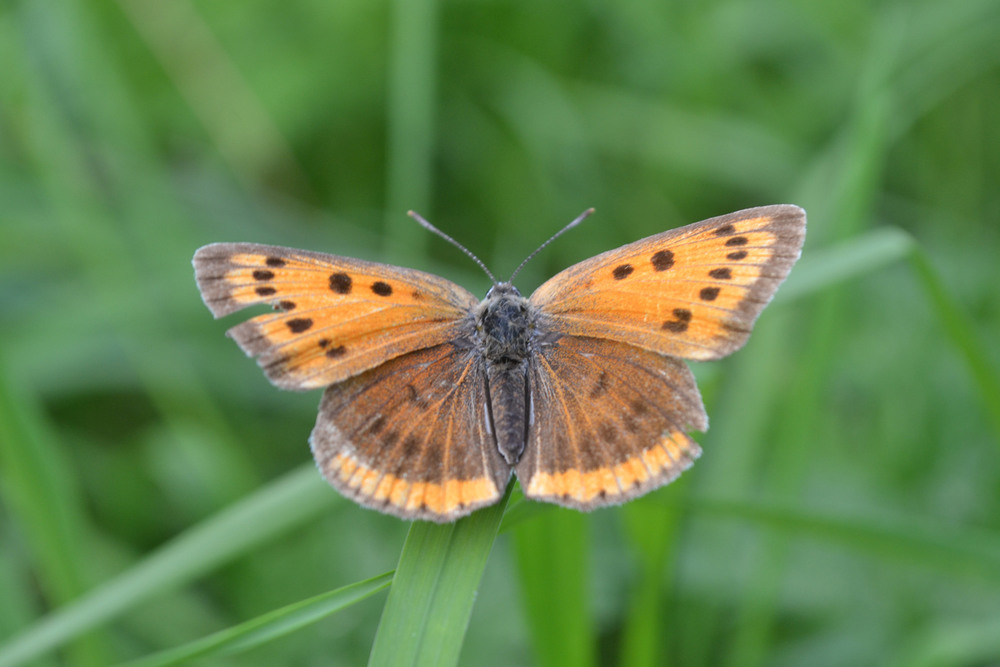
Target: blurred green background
<point x="847" y="507"/>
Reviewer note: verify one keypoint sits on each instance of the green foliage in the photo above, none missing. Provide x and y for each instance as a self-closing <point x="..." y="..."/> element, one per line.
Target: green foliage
<point x="156" y="503"/>
<point x="268" y="627"/>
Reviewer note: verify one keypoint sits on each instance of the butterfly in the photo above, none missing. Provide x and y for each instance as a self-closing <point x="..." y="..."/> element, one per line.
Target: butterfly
<point x="434" y="398"/>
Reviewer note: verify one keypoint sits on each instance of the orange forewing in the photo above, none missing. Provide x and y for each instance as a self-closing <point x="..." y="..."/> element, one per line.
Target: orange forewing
<point x="337" y="316"/>
<point x="692" y="292"/>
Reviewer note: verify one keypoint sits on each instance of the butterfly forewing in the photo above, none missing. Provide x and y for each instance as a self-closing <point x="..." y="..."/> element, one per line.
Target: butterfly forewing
<point x="609" y="422"/>
<point x="692" y="292"/>
<point x="336" y="316"/>
<point x="411" y="437"/>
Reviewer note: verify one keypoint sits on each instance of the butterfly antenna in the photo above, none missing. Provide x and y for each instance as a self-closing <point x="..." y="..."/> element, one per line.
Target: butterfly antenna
<point x="580" y="218"/>
<point x="431" y="228"/>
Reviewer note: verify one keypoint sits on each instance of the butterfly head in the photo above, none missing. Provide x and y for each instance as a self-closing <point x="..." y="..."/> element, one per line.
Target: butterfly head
<point x="504" y="324"/>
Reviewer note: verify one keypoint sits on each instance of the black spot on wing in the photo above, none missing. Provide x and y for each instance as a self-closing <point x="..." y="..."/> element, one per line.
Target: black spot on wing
<point x="682" y="316"/>
<point x="299" y="324"/>
<point x="622" y="272"/>
<point x="662" y="260"/>
<point x="341" y="283"/>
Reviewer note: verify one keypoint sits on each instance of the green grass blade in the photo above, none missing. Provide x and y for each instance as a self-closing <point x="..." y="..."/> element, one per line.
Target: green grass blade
<point x="849" y="198"/>
<point x="972" y="642"/>
<point x="861" y="254"/>
<point x="956" y="550"/>
<point x="520" y="510"/>
<point x="410" y="113"/>
<point x="727" y="147"/>
<point x="17" y="605"/>
<point x="270" y="626"/>
<point x="288" y="502"/>
<point x="255" y="144"/>
<point x="43" y="503"/>
<point x="427" y="612"/>
<point x="551" y="552"/>
<point x="963" y="335"/>
<point x="652" y="528"/>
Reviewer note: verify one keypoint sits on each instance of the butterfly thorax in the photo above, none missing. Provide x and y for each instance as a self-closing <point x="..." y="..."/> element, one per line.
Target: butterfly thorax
<point x="504" y="325"/>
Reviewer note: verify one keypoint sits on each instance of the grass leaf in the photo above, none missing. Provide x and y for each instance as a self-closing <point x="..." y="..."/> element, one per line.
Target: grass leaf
<point x="552" y="562"/>
<point x="269" y="626"/>
<point x="959" y="551"/>
<point x="428" y="608"/>
<point x="43" y="502"/>
<point x="274" y="509"/>
<point x="963" y="336"/>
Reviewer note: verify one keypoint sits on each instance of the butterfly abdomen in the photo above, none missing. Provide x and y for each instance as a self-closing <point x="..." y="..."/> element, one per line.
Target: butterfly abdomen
<point x="508" y="395"/>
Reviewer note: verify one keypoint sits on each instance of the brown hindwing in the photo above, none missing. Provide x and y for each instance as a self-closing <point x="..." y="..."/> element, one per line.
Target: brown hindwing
<point x="411" y="437"/>
<point x="610" y="423"/>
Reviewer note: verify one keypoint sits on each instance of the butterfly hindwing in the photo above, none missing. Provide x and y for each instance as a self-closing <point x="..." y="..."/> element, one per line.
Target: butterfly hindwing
<point x="692" y="292"/>
<point x="609" y="422"/>
<point x="411" y="437"/>
<point x="336" y="316"/>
